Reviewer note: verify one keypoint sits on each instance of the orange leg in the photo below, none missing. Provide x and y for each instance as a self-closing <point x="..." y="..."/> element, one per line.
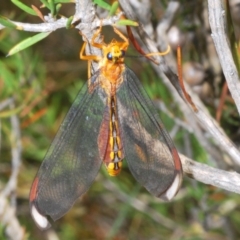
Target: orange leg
<point x="89" y="58"/>
<point x="96" y="44"/>
<point x="159" y="53"/>
<point x="122" y="37"/>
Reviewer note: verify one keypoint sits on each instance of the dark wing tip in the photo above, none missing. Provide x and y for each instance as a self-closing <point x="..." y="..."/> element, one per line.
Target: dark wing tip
<point x="40" y="220"/>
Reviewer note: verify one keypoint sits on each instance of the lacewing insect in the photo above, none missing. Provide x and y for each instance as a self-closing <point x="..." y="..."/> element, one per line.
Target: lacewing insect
<point x="111" y="119"/>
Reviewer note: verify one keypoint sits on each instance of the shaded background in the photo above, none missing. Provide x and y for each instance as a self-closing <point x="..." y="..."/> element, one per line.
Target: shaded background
<point x="44" y="80"/>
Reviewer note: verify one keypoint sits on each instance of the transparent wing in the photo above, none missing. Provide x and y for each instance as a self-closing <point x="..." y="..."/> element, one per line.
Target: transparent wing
<point x="72" y="161"/>
<point x="154" y="164"/>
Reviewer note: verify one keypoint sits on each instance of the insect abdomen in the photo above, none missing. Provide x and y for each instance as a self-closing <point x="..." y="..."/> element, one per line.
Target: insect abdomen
<point x="109" y="139"/>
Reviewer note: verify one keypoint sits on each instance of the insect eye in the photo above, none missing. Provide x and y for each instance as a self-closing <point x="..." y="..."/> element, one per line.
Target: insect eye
<point x="123" y="53"/>
<point x="109" y="56"/>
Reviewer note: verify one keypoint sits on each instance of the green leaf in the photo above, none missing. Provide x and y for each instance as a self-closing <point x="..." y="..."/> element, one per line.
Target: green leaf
<point x="102" y="4"/>
<point x="9" y="113"/>
<point x="64" y="1"/>
<point x="113" y="9"/>
<point x="58" y="7"/>
<point x="7" y="76"/>
<point x="46" y="4"/>
<point x="7" y="23"/>
<point x="24" y="7"/>
<point x="69" y="22"/>
<point x="127" y="22"/>
<point x="52" y="7"/>
<point x="28" y="42"/>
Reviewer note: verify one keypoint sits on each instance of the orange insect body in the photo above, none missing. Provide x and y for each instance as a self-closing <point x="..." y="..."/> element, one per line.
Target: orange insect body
<point x="110" y="79"/>
<point x="111" y="71"/>
<point x="109" y="134"/>
<point x="111" y="67"/>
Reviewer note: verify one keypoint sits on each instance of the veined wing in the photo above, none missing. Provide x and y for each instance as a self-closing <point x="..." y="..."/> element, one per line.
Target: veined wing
<point x="72" y="161"/>
<point x="157" y="169"/>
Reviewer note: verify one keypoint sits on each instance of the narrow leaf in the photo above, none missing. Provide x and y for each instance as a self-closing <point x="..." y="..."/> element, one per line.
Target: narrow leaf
<point x="28" y="42"/>
<point x="38" y="12"/>
<point x="64" y="1"/>
<point x="45" y="3"/>
<point x="24" y="7"/>
<point x="58" y="7"/>
<point x="69" y="22"/>
<point x="127" y="22"/>
<point x="7" y="23"/>
<point x="9" y="113"/>
<point x="114" y="8"/>
<point x="102" y="4"/>
<point x="52" y="7"/>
